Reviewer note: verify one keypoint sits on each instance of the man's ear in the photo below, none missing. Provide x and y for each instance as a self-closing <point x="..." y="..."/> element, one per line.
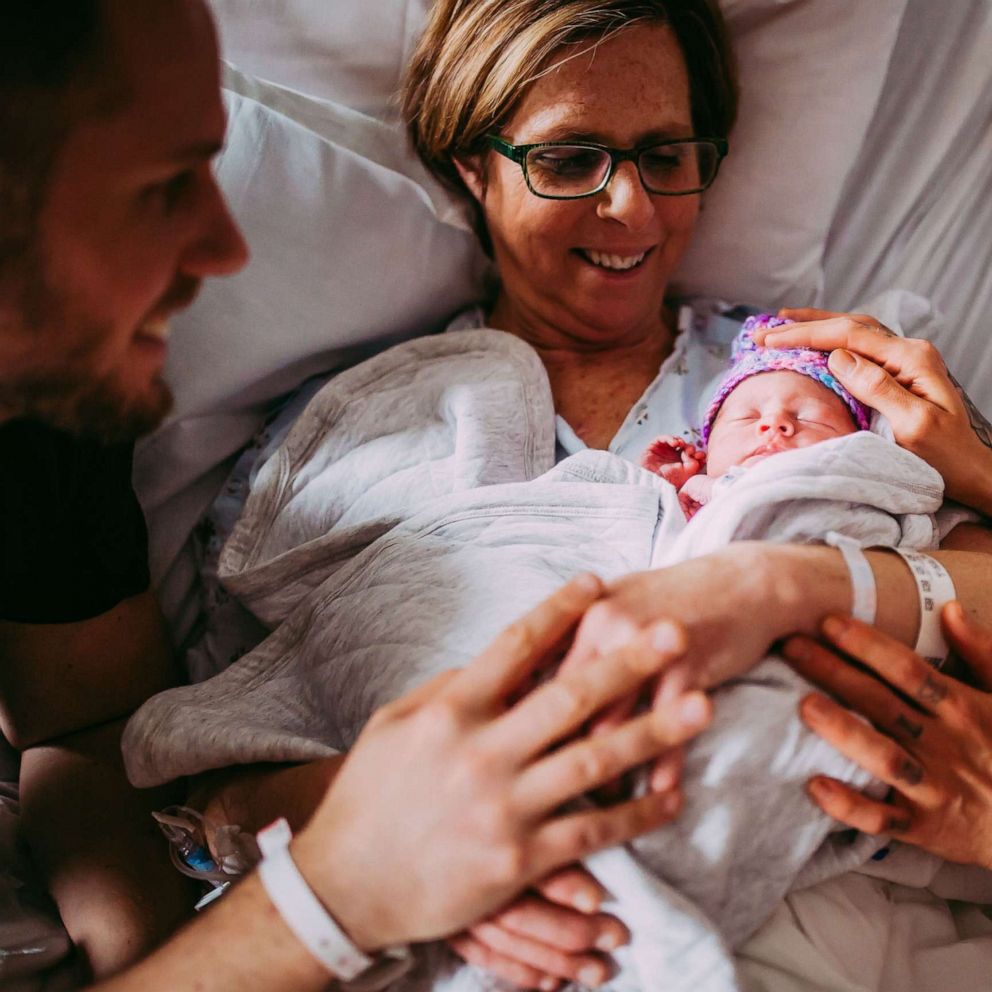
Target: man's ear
<point x="471" y="168"/>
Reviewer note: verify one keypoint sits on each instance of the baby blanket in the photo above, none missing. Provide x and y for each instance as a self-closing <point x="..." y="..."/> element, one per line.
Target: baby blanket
<point x="415" y="509"/>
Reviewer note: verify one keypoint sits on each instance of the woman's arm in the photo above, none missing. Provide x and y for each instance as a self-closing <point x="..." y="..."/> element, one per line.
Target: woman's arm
<point x="930" y="736"/>
<point x="737" y="602"/>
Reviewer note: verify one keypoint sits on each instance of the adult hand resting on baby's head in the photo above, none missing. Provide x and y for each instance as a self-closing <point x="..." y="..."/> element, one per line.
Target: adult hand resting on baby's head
<point x="930" y="736"/>
<point x="450" y="803"/>
<point x="906" y="380"/>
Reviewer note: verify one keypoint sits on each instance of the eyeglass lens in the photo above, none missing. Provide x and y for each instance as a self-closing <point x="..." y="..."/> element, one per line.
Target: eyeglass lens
<point x="574" y="170"/>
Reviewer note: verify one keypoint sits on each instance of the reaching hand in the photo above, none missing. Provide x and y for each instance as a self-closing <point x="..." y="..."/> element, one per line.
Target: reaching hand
<point x="906" y="380"/>
<point x="930" y="736"/>
<point x="674" y="459"/>
<point x="450" y="803"/>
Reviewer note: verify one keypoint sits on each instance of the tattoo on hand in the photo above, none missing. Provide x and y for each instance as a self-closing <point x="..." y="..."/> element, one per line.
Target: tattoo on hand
<point x="903" y="723"/>
<point x="979" y="424"/>
<point x="910" y="772"/>
<point x="931" y="692"/>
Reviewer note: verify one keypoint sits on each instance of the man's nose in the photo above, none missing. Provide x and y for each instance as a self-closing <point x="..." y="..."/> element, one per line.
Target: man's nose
<point x="220" y="249"/>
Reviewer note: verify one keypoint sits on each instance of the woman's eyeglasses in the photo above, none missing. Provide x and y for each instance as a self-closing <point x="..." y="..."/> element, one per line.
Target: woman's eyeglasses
<point x="570" y="171"/>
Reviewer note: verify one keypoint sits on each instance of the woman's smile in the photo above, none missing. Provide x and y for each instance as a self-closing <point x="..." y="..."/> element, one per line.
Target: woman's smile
<point x="615" y="262"/>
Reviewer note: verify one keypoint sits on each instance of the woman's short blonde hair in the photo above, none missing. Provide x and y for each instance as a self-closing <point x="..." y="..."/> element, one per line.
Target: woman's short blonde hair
<point x="477" y="58"/>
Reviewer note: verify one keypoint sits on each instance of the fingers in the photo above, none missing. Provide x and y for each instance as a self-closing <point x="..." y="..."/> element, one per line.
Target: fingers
<point x="576" y="835"/>
<point x="971" y="642"/>
<point x="899" y="665"/>
<point x="667" y="770"/>
<point x="604" y="628"/>
<point x="802" y="315"/>
<point x="414" y="699"/>
<point x="565" y="929"/>
<point x="854" y="332"/>
<point x="870" y="361"/>
<point x="527" y="644"/>
<point x="574" y="887"/>
<point x="662" y="451"/>
<point x="872" y="385"/>
<point x="856" y="810"/>
<point x="587" y="969"/>
<point x="864" y="745"/>
<point x="854" y="688"/>
<point x="594" y="761"/>
<point x="475" y="952"/>
<point x="580" y="690"/>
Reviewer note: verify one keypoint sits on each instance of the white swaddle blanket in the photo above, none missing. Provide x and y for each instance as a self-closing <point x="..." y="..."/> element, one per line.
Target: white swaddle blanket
<point x="415" y="509"/>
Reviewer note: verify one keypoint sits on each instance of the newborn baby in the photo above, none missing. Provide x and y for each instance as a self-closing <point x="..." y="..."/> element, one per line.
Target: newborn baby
<point x="770" y="401"/>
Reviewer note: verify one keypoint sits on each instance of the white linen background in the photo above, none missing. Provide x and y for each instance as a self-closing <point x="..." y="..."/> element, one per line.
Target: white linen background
<point x="862" y="161"/>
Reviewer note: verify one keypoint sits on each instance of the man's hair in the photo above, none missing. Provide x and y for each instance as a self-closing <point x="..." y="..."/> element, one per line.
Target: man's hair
<point x="49" y="49"/>
<point x="477" y="58"/>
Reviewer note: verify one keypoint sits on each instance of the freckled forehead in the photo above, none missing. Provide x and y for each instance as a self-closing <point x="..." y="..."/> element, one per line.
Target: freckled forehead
<point x="633" y="83"/>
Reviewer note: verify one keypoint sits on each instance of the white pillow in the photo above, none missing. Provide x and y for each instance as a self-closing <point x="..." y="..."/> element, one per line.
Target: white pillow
<point x="349" y="51"/>
<point x="352" y="245"/>
<point x="811" y="73"/>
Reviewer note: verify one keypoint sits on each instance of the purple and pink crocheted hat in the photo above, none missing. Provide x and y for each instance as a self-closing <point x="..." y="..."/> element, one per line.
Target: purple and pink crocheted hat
<point x="748" y="359"/>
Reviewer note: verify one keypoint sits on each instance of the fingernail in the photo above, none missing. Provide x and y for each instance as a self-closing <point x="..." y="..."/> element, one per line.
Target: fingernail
<point x="585" y="902"/>
<point x="819" y="787"/>
<point x="549" y="984"/>
<point x="591" y="975"/>
<point x="815" y="707"/>
<point x="664" y="777"/>
<point x="609" y="941"/>
<point x="671" y="803"/>
<point x="693" y="710"/>
<point x="841" y="361"/>
<point x="797" y="649"/>
<point x="588" y="583"/>
<point x="666" y="637"/>
<point x="835" y="627"/>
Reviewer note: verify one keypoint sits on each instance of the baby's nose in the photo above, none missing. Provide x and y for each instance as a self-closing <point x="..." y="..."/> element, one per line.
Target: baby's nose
<point x="777" y="423"/>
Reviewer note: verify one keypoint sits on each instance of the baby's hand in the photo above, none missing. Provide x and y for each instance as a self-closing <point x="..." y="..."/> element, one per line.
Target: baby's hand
<point x="696" y="493"/>
<point x="674" y="459"/>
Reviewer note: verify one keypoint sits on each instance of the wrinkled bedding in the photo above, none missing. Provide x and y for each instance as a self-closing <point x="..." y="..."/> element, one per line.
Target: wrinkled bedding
<point x="415" y="509"/>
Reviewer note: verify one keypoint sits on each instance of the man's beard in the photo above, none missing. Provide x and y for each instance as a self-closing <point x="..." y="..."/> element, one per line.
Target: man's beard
<point x="66" y="394"/>
<point x="102" y="409"/>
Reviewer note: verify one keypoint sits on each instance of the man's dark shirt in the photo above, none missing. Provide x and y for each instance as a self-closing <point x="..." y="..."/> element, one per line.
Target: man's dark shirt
<point x="73" y="542"/>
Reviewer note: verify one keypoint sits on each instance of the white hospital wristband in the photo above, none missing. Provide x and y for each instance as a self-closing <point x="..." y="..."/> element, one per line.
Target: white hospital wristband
<point x="303" y="913"/>
<point x="864" y="599"/>
<point x="936" y="589"/>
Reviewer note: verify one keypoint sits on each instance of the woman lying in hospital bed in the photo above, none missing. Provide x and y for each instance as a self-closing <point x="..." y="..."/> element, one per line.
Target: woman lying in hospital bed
<point x="583" y="283"/>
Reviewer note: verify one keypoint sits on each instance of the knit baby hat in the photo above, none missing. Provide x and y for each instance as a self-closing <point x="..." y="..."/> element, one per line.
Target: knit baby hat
<point x="748" y="359"/>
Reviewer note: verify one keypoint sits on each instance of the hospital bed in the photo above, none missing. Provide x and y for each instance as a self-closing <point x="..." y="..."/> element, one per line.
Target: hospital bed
<point x="861" y="162"/>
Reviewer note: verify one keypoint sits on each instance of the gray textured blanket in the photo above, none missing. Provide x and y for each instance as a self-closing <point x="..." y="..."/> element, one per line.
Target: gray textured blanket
<point x="415" y="509"/>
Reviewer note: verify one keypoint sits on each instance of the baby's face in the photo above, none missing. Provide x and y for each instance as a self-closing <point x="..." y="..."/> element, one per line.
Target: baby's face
<point x="772" y="412"/>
